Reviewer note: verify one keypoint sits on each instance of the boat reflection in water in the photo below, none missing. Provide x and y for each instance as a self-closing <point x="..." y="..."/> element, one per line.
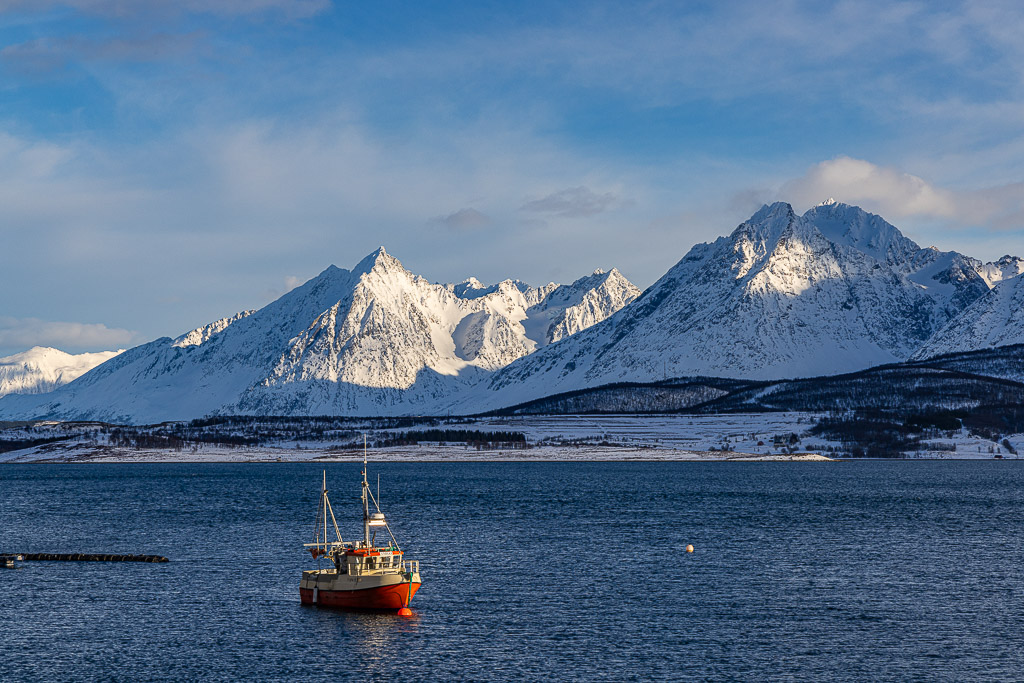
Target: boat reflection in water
<point x="370" y="636"/>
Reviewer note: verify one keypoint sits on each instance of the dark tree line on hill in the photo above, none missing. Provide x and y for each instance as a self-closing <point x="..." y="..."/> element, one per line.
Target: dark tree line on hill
<point x="630" y="397"/>
<point x="7" y="445"/>
<point x="126" y="437"/>
<point x="888" y="434"/>
<point x="234" y="432"/>
<point x="955" y="382"/>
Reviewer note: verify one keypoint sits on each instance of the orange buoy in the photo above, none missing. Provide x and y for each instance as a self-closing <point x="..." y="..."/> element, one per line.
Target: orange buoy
<point x="689" y="548"/>
<point x="405" y="612"/>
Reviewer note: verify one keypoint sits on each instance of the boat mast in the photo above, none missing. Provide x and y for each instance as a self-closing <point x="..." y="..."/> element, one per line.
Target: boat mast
<point x="366" y="502"/>
<point x="323" y="502"/>
<point x="323" y="546"/>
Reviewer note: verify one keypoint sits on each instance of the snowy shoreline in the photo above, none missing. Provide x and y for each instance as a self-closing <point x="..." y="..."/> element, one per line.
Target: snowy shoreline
<point x="80" y="454"/>
<point x="735" y="437"/>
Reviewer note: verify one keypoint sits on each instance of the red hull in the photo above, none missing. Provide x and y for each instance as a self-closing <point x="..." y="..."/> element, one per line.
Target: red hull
<point x="395" y="596"/>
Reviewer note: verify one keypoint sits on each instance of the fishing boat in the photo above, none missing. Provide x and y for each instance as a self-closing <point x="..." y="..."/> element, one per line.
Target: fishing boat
<point x="360" y="574"/>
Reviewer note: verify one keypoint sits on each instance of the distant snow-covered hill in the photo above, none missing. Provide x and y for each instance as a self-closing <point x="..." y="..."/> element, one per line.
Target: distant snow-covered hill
<point x="42" y="369"/>
<point x="373" y="340"/>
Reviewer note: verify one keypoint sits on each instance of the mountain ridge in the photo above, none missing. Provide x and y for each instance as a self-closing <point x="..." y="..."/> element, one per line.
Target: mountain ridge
<point x="377" y="338"/>
<point x="783" y="296"/>
<point x="835" y="290"/>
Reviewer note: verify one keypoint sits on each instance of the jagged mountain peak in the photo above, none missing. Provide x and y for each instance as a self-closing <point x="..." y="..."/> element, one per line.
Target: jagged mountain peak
<point x="396" y="326"/>
<point x="568" y="309"/>
<point x="1006" y="268"/>
<point x="474" y="289"/>
<point x="866" y="232"/>
<point x="599" y="276"/>
<point x="767" y="223"/>
<point x="775" y="209"/>
<point x="377" y="261"/>
<point x="334" y="287"/>
<point x="949" y="279"/>
<point x="752" y="243"/>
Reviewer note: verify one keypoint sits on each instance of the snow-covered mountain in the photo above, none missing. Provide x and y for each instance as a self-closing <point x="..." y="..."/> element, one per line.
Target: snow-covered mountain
<point x="950" y="279"/>
<point x="373" y="340"/>
<point x="996" y="319"/>
<point x="42" y="369"/>
<point x="784" y="296"/>
<point x="835" y="290"/>
<point x="1004" y="269"/>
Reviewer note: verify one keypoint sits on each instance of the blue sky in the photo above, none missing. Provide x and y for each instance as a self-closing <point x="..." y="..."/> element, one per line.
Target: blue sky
<point x="167" y="163"/>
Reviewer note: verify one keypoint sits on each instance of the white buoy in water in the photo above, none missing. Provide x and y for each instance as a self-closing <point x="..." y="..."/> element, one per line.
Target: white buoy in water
<point x="689" y="548"/>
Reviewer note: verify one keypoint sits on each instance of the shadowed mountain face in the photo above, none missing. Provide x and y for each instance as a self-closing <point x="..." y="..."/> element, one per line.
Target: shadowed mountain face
<point x="373" y="340"/>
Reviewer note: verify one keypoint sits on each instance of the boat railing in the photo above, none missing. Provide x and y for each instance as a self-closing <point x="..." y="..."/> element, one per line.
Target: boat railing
<point x="411" y="566"/>
<point x="371" y="566"/>
<point x="326" y="546"/>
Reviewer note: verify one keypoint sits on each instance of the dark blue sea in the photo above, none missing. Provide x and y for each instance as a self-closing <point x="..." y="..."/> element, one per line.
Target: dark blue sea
<point x="532" y="571"/>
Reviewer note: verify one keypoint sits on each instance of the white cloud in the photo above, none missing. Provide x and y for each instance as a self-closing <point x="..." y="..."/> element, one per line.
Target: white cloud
<point x="24" y="333"/>
<point x="465" y="219"/>
<point x="855" y="181"/>
<point x="22" y="158"/>
<point x="895" y="194"/>
<point x="574" y="202"/>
